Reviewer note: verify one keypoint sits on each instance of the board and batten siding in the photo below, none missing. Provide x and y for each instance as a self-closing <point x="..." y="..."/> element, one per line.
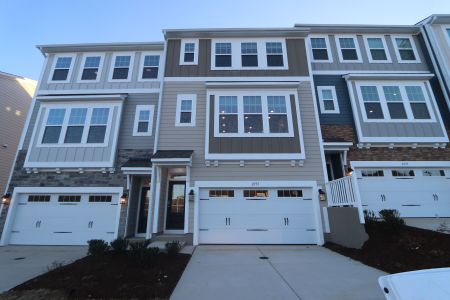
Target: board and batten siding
<point x="104" y="76"/>
<point x="398" y="129"/>
<point x="366" y="65"/>
<point x="345" y="115"/>
<point x="193" y="138"/>
<point x="296" y="55"/>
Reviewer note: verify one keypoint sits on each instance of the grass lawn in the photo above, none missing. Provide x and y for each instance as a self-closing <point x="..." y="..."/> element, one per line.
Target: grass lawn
<point x="109" y="275"/>
<point x="407" y="250"/>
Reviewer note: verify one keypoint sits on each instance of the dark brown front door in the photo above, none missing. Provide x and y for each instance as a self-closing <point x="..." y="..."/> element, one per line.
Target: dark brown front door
<point x="143" y="210"/>
<point x="175" y="205"/>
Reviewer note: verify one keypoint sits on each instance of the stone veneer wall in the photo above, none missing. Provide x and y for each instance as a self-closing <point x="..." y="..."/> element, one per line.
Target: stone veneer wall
<point x="20" y="178"/>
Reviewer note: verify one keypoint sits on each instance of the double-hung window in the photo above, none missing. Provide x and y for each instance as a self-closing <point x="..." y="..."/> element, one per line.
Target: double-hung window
<point x="186" y="110"/>
<point x="75" y="127"/>
<point x="328" y="100"/>
<point x="405" y="49"/>
<point x="149" y="66"/>
<point x="249" y="54"/>
<point x="372" y="102"/>
<point x="91" y="68"/>
<point x="223" y="54"/>
<point x="348" y="49"/>
<point x="53" y="126"/>
<point x="417" y="101"/>
<point x="98" y="124"/>
<point x="121" y="67"/>
<point x="62" y="68"/>
<point x="253" y="114"/>
<point x="320" y="49"/>
<point x="394" y="102"/>
<point x="377" y="50"/>
<point x="274" y="52"/>
<point x="143" y="120"/>
<point x="189" y="52"/>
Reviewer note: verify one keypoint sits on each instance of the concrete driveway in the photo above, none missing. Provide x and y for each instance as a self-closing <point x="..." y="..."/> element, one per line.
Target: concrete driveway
<point x="21" y="263"/>
<point x="290" y="272"/>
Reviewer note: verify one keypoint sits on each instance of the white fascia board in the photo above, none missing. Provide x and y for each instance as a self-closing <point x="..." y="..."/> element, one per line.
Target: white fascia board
<point x="240" y="79"/>
<point x="83" y="97"/>
<point x="171" y="160"/>
<point x="418" y="164"/>
<point x="137" y="169"/>
<point x="423" y="76"/>
<point x="344" y="72"/>
<point x="256" y="156"/>
<point x="416" y="139"/>
<point x="254" y="184"/>
<point x="96" y="91"/>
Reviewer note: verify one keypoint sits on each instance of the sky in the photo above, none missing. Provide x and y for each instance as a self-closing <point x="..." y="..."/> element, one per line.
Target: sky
<point x="27" y="23"/>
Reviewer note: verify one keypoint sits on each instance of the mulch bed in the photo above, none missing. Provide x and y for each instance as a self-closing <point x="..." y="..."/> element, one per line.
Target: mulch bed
<point x="113" y="276"/>
<point x="408" y="250"/>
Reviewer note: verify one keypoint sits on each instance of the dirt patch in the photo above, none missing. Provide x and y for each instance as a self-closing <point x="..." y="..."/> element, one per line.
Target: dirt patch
<point x="408" y="250"/>
<point x="110" y="276"/>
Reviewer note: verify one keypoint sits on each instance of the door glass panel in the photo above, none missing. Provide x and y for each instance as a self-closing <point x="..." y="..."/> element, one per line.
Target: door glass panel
<point x="177" y="198"/>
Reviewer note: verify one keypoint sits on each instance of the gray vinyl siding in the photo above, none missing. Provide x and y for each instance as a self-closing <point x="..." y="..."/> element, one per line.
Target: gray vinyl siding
<point x="254" y="145"/>
<point x="296" y="51"/>
<point x="345" y="115"/>
<point x="103" y="83"/>
<point x="126" y="138"/>
<point x="73" y="154"/>
<point x="365" y="65"/>
<point x="392" y="129"/>
<point x="193" y="138"/>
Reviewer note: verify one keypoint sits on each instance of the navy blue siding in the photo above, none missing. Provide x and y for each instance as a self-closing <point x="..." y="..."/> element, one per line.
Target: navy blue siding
<point x="345" y="117"/>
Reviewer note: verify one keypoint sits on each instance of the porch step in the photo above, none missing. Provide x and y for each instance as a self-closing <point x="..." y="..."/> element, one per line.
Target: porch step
<point x="184" y="238"/>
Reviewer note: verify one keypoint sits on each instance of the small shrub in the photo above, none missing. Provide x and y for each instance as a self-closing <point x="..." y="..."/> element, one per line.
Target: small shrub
<point x="443" y="228"/>
<point x="153" y="251"/>
<point x="97" y="247"/>
<point x="55" y="265"/>
<point x="369" y="216"/>
<point x="119" y="245"/>
<point x="173" y="247"/>
<point x="139" y="245"/>
<point x="392" y="220"/>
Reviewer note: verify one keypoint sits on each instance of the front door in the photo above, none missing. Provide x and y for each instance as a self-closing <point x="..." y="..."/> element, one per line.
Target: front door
<point x="143" y="211"/>
<point x="175" y="205"/>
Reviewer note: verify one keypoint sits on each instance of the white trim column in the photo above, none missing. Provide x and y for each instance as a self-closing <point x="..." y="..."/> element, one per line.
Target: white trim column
<point x="186" y="200"/>
<point x="157" y="200"/>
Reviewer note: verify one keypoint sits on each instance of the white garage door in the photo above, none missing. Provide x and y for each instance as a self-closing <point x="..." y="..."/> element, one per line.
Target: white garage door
<point x="414" y="192"/>
<point x="257" y="216"/>
<point x="64" y="219"/>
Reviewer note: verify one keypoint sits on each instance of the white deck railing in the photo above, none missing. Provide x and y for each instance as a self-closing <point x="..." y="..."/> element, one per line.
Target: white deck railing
<point x="344" y="192"/>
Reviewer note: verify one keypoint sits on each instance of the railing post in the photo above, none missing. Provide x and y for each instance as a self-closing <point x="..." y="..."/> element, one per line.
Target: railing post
<point x="358" y="198"/>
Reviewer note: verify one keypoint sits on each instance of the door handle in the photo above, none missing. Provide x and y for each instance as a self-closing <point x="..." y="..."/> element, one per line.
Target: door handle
<point x="287" y="219"/>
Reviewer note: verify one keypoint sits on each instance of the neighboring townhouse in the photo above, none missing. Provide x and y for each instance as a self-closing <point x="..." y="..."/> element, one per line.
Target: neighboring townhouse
<point x="239" y="157"/>
<point x="15" y="99"/>
<point x="380" y="119"/>
<point x="83" y="168"/>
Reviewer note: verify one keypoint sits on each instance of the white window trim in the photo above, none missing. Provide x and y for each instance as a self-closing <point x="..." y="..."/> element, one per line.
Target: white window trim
<point x="385" y="47"/>
<point x="414" y="48"/>
<point x="406" y="103"/>
<point x="68" y="107"/>
<point x="193" y="98"/>
<point x="69" y="74"/>
<point x="236" y="63"/>
<point x="321" y="103"/>
<point x="130" y="70"/>
<point x="327" y="42"/>
<point x="141" y="66"/>
<point x="357" y="48"/>
<point x="183" y="42"/>
<point x="140" y="108"/>
<point x="100" y="67"/>
<point x="265" y="114"/>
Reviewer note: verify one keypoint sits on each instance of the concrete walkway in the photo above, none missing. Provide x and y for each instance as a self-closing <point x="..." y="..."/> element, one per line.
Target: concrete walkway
<point x="21" y="263"/>
<point x="290" y="272"/>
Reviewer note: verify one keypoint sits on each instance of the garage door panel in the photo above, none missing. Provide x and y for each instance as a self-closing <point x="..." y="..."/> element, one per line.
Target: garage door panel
<point x="272" y="236"/>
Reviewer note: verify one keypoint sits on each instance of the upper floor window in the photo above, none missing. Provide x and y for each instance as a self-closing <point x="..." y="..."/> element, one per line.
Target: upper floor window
<point x="328" y="100"/>
<point x="223" y="54"/>
<point x="121" y="67"/>
<point x="149" y="68"/>
<point x="143" y="120"/>
<point x="274" y="51"/>
<point x="75" y="125"/>
<point x="320" y="49"/>
<point x="186" y="110"/>
<point x="348" y="49"/>
<point x="377" y="51"/>
<point x="405" y="49"/>
<point x="62" y="68"/>
<point x="189" y="52"/>
<point x="249" y="54"/>
<point x="253" y="114"/>
<point x="91" y="67"/>
<point x="395" y="102"/>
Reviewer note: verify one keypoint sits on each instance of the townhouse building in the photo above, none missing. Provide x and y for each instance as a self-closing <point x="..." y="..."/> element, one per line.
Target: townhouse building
<point x="233" y="136"/>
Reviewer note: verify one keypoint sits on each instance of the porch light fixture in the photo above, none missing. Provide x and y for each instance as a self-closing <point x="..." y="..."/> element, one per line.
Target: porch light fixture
<point x="349" y="171"/>
<point x="6" y="199"/>
<point x="124" y="198"/>
<point x="322" y="196"/>
<point x="191" y="193"/>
